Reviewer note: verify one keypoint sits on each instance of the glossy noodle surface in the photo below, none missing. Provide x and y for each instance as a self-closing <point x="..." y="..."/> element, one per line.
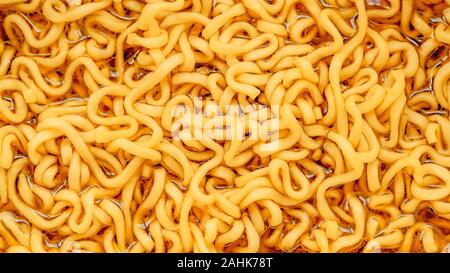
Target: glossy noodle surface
<point x="224" y="126"/>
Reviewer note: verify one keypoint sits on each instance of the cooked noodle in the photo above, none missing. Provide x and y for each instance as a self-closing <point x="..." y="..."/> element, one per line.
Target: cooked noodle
<point x="339" y="140"/>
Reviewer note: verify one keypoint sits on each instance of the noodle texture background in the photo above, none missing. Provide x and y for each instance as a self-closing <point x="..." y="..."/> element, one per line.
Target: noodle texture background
<point x="224" y="126"/>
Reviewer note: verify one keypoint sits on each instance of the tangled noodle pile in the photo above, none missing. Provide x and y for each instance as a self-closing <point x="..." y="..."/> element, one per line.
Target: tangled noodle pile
<point x="89" y="161"/>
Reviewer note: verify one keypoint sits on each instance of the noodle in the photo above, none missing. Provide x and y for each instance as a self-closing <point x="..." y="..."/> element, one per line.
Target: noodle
<point x="224" y="126"/>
